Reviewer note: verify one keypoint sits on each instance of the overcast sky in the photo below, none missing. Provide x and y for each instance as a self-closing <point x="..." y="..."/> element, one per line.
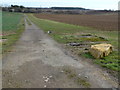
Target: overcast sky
<point x="90" y="4"/>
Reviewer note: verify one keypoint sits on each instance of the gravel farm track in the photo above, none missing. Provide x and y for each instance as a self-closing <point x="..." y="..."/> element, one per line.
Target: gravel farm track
<point x="99" y="21"/>
<point x="37" y="61"/>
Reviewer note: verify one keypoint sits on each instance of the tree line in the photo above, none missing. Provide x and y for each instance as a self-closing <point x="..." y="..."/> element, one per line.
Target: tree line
<point x="14" y="8"/>
<point x="65" y="10"/>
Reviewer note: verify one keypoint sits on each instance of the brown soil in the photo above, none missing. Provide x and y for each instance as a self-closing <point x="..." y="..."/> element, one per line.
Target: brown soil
<point x="101" y="22"/>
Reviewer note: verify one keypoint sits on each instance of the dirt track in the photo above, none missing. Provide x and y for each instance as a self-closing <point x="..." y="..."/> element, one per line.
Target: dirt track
<point x="36" y="56"/>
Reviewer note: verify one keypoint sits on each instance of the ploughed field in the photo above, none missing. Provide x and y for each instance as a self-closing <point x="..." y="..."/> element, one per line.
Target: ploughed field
<point x="100" y="22"/>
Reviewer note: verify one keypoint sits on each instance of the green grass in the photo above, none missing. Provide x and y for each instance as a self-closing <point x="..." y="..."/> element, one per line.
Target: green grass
<point x="13" y="26"/>
<point x="65" y="33"/>
<point x="88" y="55"/>
<point x="92" y="39"/>
<point x="10" y="21"/>
<point x="110" y="62"/>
